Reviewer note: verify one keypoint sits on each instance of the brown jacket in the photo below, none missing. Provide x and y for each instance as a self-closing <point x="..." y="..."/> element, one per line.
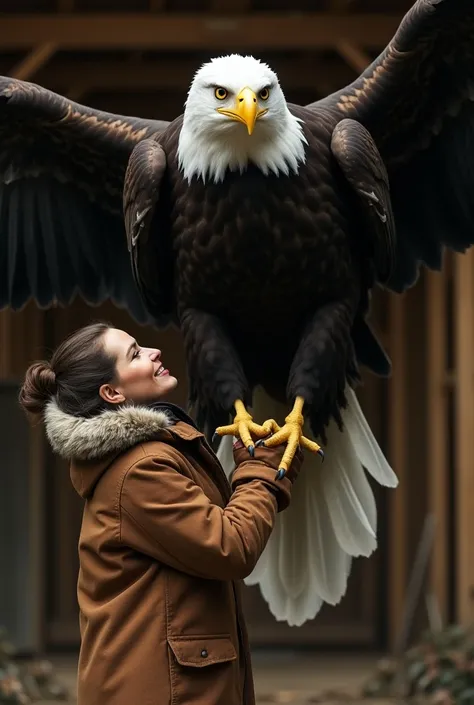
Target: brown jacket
<point x="163" y="547"/>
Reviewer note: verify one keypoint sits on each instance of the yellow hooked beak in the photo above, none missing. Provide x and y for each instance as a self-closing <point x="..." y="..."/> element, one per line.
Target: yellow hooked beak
<point x="246" y="109"/>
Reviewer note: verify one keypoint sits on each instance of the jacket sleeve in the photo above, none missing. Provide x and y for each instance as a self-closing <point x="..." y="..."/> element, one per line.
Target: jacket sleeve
<point x="166" y="515"/>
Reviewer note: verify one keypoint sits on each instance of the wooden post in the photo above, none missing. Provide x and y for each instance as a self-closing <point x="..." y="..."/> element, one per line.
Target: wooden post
<point x="464" y="434"/>
<point x="437" y="433"/>
<point x="22" y="336"/>
<point x="398" y="457"/>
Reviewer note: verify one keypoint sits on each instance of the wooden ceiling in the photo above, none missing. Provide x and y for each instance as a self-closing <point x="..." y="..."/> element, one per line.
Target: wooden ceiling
<point x="138" y="56"/>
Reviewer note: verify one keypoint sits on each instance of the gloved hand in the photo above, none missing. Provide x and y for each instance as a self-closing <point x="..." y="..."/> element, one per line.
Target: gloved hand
<point x="248" y="468"/>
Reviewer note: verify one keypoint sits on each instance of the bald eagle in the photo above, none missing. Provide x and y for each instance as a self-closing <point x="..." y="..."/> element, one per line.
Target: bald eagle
<point x="260" y="228"/>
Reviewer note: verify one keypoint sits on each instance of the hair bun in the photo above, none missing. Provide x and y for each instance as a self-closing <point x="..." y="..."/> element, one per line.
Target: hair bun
<point x="38" y="387"/>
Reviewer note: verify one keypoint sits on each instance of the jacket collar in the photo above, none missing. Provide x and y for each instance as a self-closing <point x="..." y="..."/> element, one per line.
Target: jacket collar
<point x="175" y="411"/>
<point x="112" y="432"/>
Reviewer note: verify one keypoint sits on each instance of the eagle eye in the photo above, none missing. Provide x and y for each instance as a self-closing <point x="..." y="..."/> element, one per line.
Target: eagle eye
<point x="220" y="93"/>
<point x="264" y="93"/>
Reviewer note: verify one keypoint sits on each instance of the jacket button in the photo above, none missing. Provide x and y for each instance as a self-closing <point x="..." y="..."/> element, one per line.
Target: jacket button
<point x="204" y="653"/>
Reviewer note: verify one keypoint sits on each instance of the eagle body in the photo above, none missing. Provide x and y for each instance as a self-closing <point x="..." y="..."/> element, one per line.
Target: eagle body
<point x="293" y="251"/>
<point x="261" y="229"/>
<point x="278" y="230"/>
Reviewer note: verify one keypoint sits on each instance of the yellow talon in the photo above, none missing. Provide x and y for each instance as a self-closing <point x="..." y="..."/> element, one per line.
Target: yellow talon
<point x="292" y="434"/>
<point x="244" y="426"/>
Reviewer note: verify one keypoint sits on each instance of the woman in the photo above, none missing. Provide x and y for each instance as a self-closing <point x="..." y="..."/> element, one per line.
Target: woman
<point x="165" y="540"/>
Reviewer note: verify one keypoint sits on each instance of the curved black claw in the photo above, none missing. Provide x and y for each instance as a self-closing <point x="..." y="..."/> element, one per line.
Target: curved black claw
<point x="321" y="453"/>
<point x="260" y="443"/>
<point x="251" y="450"/>
<point x="280" y="474"/>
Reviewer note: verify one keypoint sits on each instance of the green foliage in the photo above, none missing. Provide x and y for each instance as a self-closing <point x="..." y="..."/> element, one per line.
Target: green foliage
<point x="439" y="670"/>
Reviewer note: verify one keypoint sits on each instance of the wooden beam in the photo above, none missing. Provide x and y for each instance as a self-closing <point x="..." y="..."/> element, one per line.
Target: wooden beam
<point x="32" y="63"/>
<point x="231" y="6"/>
<point x="464" y="427"/>
<point x="260" y="31"/>
<point x="437" y="454"/>
<point x="114" y="75"/>
<point x="339" y="5"/>
<point x="355" y="57"/>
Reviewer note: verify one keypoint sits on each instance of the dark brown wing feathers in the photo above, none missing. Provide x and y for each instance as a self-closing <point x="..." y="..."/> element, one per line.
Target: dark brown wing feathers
<point x="362" y="165"/>
<point x="62" y="167"/>
<point x="416" y="100"/>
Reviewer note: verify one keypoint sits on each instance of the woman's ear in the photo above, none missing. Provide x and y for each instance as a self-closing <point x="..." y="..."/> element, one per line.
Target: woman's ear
<point x="111" y="395"/>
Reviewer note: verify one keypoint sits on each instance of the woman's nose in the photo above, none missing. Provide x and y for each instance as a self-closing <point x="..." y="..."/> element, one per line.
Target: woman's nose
<point x="155" y="354"/>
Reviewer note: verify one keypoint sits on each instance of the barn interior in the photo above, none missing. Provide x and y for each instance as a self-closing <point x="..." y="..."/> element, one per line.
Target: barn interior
<point x="137" y="57"/>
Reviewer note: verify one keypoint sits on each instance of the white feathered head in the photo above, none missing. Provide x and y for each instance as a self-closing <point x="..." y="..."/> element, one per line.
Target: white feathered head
<point x="236" y="114"/>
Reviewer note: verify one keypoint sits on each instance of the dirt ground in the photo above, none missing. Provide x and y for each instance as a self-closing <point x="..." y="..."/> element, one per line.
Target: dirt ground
<point x="288" y="678"/>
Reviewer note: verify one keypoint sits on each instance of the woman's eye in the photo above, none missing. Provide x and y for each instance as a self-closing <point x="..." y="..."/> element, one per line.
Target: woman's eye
<point x="220" y="93"/>
<point x="264" y="93"/>
<point x="136" y="354"/>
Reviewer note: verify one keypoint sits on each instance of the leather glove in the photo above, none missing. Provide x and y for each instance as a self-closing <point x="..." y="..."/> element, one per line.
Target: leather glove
<point x="264" y="466"/>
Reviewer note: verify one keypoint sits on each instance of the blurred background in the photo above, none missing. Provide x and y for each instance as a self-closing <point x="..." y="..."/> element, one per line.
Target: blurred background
<point x="137" y="57"/>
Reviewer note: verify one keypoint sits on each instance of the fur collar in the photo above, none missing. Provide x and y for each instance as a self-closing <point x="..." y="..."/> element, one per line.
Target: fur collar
<point x="109" y="433"/>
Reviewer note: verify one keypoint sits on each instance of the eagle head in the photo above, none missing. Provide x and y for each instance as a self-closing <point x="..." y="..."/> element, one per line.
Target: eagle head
<point x="236" y="114"/>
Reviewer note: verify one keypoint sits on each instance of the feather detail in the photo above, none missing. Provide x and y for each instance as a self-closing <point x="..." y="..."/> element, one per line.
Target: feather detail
<point x="332" y="516"/>
<point x="366" y="447"/>
<point x="348" y="496"/>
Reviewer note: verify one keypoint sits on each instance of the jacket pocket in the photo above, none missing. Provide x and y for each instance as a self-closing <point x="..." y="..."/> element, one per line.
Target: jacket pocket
<point x="203" y="670"/>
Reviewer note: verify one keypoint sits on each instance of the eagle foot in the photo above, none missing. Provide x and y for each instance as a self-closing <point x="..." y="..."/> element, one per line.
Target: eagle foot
<point x="292" y="434"/>
<point x="244" y="427"/>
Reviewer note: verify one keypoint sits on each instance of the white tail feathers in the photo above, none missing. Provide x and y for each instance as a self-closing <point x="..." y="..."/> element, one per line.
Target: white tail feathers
<point x="331" y="519"/>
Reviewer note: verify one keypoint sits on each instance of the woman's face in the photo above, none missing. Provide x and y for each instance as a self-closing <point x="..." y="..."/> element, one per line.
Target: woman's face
<point x="141" y="376"/>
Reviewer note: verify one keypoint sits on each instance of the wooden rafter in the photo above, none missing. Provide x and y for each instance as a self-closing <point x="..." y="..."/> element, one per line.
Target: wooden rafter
<point x="33" y="62"/>
<point x="260" y="31"/>
<point x="353" y="55"/>
<point x="149" y="75"/>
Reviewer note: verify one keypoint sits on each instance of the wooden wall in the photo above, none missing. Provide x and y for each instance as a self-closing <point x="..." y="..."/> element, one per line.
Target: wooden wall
<point x="431" y="342"/>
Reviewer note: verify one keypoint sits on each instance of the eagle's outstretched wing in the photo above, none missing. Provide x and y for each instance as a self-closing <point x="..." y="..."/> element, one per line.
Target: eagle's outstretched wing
<point x="62" y="169"/>
<point x="416" y="100"/>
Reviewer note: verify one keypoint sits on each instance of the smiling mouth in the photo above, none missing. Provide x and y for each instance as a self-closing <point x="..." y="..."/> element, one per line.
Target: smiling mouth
<point x="161" y="371"/>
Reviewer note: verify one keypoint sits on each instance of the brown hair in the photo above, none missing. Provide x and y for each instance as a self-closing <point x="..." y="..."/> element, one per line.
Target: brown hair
<point x="73" y="376"/>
